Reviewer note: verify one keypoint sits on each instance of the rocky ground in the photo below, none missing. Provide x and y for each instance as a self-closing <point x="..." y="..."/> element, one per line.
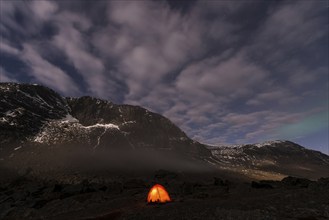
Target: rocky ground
<point x="197" y="196"/>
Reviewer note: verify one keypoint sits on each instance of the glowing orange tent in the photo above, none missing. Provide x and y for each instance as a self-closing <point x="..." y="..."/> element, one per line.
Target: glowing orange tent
<point x="158" y="194"/>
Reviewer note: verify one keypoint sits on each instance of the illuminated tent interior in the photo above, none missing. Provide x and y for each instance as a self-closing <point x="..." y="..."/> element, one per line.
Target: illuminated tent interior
<point x="158" y="194"/>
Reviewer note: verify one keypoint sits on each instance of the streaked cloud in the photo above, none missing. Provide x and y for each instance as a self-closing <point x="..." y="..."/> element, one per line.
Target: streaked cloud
<point x="46" y="73"/>
<point x="6" y="48"/>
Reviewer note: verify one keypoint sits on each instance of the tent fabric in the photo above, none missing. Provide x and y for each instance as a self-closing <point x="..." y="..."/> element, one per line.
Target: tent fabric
<point x="158" y="194"/>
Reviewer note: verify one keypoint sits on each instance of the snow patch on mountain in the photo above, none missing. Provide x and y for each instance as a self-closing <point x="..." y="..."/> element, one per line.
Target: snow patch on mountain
<point x="17" y="148"/>
<point x="69" y="119"/>
<point x="268" y="143"/>
<point x="3" y="120"/>
<point x="128" y="122"/>
<point x="69" y="128"/>
<point x="230" y="151"/>
<point x="10" y="113"/>
<point x="237" y="146"/>
<point x="109" y="125"/>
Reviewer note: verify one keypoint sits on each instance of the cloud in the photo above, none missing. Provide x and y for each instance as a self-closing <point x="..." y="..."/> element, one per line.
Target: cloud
<point x="8" y="23"/>
<point x="147" y="41"/>
<point x="25" y="18"/>
<point x="47" y="73"/>
<point x="74" y="44"/>
<point x="150" y="42"/>
<point x="259" y="126"/>
<point x="43" y="10"/>
<point x="69" y="40"/>
<point x="295" y="24"/>
<point x="6" y="48"/>
<point x="290" y="29"/>
<point x="231" y="78"/>
<point x="275" y="96"/>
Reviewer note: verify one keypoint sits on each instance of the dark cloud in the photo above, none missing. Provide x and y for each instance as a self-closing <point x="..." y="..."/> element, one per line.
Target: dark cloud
<point x="224" y="71"/>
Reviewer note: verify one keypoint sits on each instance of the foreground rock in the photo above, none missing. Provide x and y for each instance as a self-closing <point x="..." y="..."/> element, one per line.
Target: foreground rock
<point x="194" y="197"/>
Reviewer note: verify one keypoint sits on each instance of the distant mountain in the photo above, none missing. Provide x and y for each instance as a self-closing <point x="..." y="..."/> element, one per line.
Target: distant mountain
<point x="273" y="158"/>
<point x="36" y="121"/>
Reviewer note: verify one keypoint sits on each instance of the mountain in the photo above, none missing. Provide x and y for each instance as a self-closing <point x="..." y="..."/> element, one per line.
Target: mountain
<point x="24" y="109"/>
<point x="274" y="159"/>
<point x="40" y="128"/>
<point x="36" y="114"/>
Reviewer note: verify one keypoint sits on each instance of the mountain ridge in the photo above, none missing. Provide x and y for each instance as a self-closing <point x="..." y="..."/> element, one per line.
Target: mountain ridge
<point x="33" y="117"/>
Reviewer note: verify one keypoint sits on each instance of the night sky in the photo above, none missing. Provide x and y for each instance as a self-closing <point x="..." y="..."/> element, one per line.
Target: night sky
<point x="225" y="72"/>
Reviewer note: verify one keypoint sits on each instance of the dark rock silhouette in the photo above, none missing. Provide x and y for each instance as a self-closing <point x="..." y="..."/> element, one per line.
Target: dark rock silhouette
<point x="260" y="185"/>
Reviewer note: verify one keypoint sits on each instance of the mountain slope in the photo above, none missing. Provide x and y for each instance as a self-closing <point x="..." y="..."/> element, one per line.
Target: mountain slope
<point x="277" y="157"/>
<point x="25" y="108"/>
<point x="34" y="119"/>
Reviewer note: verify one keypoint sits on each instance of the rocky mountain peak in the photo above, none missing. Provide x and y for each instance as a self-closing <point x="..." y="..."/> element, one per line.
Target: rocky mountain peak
<point x="37" y="115"/>
<point x="24" y="108"/>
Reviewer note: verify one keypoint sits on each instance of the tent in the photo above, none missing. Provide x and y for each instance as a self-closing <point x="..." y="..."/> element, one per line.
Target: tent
<point x="158" y="194"/>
